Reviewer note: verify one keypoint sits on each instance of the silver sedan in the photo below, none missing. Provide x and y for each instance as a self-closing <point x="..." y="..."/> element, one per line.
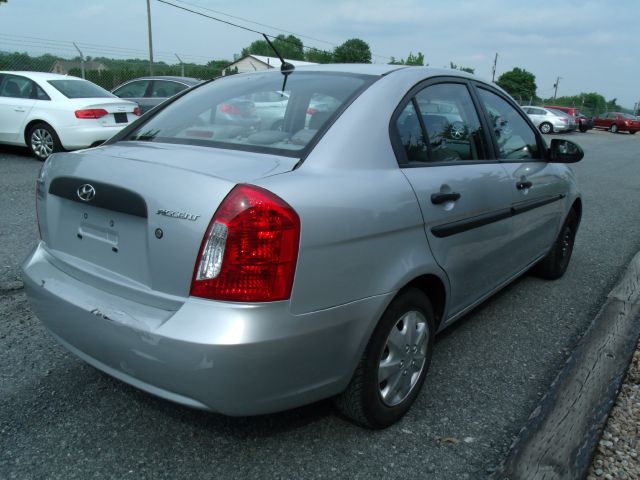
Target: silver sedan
<point x="242" y="269"/>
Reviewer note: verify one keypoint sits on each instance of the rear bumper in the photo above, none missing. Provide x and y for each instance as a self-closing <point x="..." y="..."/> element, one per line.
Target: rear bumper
<point x="76" y="137"/>
<point x="231" y="358"/>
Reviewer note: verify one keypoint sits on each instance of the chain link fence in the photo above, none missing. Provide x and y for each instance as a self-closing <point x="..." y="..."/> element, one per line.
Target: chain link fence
<point x="104" y="71"/>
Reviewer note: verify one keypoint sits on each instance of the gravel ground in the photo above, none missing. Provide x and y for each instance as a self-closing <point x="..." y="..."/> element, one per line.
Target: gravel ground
<point x="617" y="454"/>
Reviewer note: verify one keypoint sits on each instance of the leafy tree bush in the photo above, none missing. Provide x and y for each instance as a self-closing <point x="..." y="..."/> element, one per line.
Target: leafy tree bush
<point x="519" y="83"/>
<point x="353" y="50"/>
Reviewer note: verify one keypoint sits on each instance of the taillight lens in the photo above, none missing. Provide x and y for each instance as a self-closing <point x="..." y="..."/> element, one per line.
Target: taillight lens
<point x="229" y="108"/>
<point x="91" y="113"/>
<point x="250" y="250"/>
<point x="137" y="111"/>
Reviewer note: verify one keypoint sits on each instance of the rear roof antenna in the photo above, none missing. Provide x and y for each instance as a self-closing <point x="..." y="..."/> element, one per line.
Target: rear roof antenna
<point x="285" y="67"/>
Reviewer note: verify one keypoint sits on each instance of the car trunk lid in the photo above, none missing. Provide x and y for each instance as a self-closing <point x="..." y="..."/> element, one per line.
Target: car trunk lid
<point x="131" y="217"/>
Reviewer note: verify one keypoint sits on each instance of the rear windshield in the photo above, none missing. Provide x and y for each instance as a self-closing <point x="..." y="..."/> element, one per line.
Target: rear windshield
<point x="627" y="115"/>
<point x="79" y="89"/>
<point x="255" y="112"/>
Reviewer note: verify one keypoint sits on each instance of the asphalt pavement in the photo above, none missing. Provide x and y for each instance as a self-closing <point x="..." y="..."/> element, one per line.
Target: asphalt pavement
<point x="60" y="418"/>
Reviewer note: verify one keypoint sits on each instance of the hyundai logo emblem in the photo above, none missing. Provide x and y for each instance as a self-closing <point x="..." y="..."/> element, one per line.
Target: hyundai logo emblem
<point x="86" y="192"/>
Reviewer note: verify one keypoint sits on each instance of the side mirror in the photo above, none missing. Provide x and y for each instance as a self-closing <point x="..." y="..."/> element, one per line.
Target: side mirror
<point x="564" y="151"/>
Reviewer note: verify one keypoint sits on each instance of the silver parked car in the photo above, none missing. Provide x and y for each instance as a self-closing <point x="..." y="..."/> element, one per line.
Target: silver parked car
<point x="245" y="270"/>
<point x="550" y="120"/>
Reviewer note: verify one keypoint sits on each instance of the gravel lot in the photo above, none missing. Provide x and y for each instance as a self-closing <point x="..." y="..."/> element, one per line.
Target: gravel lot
<point x="60" y="418"/>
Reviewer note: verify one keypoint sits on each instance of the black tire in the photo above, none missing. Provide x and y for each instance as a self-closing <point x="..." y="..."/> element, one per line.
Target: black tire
<point x="614" y="128"/>
<point x="632" y="132"/>
<point x="42" y="141"/>
<point x="363" y="401"/>
<point x="583" y="129"/>
<point x="546" y="127"/>
<point x="555" y="264"/>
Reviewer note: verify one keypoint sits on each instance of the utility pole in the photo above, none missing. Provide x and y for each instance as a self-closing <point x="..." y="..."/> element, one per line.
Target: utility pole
<point x="181" y="63"/>
<point x="555" y="85"/>
<point x="150" y="40"/>
<point x="495" y="62"/>
<point x="81" y="59"/>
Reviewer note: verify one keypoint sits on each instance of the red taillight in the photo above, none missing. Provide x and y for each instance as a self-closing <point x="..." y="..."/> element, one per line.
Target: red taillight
<point x="250" y="250"/>
<point x="91" y="113"/>
<point x="312" y="111"/>
<point x="229" y="108"/>
<point x="563" y="119"/>
<point x="137" y="111"/>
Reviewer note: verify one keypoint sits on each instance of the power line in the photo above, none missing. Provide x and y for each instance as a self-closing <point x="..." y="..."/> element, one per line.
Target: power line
<point x="245" y="28"/>
<point x="257" y="23"/>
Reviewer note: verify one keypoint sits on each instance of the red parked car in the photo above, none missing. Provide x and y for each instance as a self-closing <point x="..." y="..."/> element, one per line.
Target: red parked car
<point x="617" y="122"/>
<point x="584" y="123"/>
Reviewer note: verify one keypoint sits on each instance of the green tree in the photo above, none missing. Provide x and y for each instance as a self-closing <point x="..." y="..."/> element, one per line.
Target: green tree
<point x="318" y="56"/>
<point x="353" y="50"/>
<point x="290" y="47"/>
<point x="417" y="59"/>
<point x="518" y="83"/>
<point x="461" y="68"/>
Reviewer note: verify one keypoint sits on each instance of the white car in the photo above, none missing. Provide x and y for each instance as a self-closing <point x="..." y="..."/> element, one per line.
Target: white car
<point x="50" y="113"/>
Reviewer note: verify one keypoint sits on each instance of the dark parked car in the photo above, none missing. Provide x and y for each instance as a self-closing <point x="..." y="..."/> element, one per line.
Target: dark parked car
<point x="584" y="123"/>
<point x="151" y="91"/>
<point x="617" y="122"/>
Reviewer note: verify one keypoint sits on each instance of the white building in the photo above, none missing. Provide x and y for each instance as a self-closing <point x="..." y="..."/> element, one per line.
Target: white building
<point x="253" y="63"/>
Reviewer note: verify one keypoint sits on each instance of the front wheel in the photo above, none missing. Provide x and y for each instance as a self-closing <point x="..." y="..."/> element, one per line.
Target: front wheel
<point x="43" y="141"/>
<point x="555" y="264"/>
<point x="614" y="128"/>
<point x="394" y="365"/>
<point x="632" y="132"/>
<point x="546" y="128"/>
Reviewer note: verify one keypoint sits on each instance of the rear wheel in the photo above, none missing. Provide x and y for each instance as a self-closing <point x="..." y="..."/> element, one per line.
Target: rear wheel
<point x="632" y="132"/>
<point x="394" y="365"/>
<point x="43" y="141"/>
<point x="614" y="128"/>
<point x="546" y="127"/>
<point x="555" y="264"/>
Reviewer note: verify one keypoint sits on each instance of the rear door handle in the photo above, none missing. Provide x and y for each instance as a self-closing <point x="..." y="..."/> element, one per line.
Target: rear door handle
<point x="523" y="185"/>
<point x="18" y="109"/>
<point x="438" y="198"/>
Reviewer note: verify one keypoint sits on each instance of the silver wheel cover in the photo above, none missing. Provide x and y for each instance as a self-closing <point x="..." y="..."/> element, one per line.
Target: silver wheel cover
<point x="403" y="358"/>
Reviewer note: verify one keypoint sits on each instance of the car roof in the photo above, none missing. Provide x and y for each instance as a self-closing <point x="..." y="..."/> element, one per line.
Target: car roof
<point x="41" y="75"/>
<point x="187" y="80"/>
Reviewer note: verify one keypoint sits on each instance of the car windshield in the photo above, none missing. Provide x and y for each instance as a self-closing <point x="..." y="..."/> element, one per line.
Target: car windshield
<point x="629" y="116"/>
<point x="254" y="112"/>
<point x="79" y="89"/>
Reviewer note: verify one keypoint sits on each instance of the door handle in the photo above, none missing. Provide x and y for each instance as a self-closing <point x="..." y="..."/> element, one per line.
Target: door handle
<point x="524" y="185"/>
<point x="19" y="109"/>
<point x="438" y="198"/>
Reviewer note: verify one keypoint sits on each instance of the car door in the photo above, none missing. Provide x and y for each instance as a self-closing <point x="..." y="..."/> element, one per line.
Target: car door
<point x="537" y="187"/>
<point x="135" y="91"/>
<point x="16" y="102"/>
<point x="464" y="198"/>
<point x="161" y="90"/>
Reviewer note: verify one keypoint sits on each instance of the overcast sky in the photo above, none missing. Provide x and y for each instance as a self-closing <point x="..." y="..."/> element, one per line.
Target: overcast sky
<point x="591" y="45"/>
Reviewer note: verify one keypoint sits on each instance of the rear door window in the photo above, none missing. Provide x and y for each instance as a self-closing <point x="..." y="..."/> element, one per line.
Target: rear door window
<point x="166" y="88"/>
<point x="134" y="89"/>
<point x="441" y="124"/>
